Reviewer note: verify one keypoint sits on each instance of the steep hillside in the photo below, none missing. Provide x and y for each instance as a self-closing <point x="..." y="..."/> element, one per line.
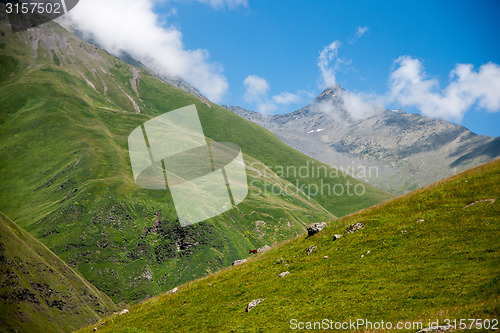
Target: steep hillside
<point x="407" y="150"/>
<point x="67" y="108"/>
<point x="430" y="255"/>
<point x="38" y="291"/>
<point x="175" y="81"/>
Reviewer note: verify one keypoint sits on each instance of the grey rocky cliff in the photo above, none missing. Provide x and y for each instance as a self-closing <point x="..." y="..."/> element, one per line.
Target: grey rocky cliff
<point x="175" y="81"/>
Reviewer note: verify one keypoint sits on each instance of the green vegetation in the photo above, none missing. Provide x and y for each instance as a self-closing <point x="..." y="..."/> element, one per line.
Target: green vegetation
<point x="39" y="292"/>
<point x="434" y="255"/>
<point x="66" y="113"/>
<point x="55" y="58"/>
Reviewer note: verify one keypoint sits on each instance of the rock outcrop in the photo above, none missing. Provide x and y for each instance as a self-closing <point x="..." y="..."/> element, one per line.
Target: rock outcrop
<point x="310" y="249"/>
<point x="355" y="227"/>
<point x="239" y="262"/>
<point x="283" y="274"/>
<point x="253" y="304"/>
<point x="314" y="228"/>
<point x="172" y="291"/>
<point x="263" y="249"/>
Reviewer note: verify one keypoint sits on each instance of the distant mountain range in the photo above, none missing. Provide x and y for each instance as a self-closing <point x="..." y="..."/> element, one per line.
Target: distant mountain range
<point x="393" y="150"/>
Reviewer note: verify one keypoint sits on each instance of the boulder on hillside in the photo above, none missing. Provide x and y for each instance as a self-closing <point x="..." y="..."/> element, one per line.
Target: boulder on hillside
<point x="314" y="228"/>
<point x="253" y="304"/>
<point x="239" y="262"/>
<point x="310" y="249"/>
<point x="263" y="249"/>
<point x="124" y="311"/>
<point x="283" y="274"/>
<point x="172" y="291"/>
<point x="355" y="227"/>
<point x="335" y="237"/>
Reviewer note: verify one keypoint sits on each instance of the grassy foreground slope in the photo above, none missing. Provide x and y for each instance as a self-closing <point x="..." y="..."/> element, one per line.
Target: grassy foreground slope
<point x="38" y="291"/>
<point x="434" y="255"/>
<point x="66" y="110"/>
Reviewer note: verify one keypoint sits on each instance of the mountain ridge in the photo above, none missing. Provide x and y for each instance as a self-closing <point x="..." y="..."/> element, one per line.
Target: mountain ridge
<point x="408" y="149"/>
<point x="175" y="81"/>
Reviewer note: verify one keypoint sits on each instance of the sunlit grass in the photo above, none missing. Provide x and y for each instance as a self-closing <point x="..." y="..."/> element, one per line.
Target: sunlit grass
<point x="430" y="259"/>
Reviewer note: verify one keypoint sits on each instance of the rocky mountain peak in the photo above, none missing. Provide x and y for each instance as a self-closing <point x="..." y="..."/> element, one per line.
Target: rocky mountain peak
<point x="331" y="94"/>
<point x="330" y="104"/>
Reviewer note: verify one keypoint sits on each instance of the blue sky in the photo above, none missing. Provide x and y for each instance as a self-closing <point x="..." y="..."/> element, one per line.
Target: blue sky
<point x="277" y="44"/>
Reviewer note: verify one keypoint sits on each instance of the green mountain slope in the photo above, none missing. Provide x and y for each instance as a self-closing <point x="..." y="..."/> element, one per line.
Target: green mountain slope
<point x="431" y="255"/>
<point x="38" y="291"/>
<point x="67" y="109"/>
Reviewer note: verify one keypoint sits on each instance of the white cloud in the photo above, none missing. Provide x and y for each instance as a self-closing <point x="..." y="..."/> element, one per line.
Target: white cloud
<point x="171" y="12"/>
<point x="328" y="63"/>
<point x="256" y="88"/>
<point x="231" y="4"/>
<point x="132" y="26"/>
<point x="286" y="98"/>
<point x="328" y="108"/>
<point x="325" y="59"/>
<point x="256" y="92"/>
<point x="266" y="107"/>
<point x="410" y="86"/>
<point x="357" y="107"/>
<point x="361" y="31"/>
